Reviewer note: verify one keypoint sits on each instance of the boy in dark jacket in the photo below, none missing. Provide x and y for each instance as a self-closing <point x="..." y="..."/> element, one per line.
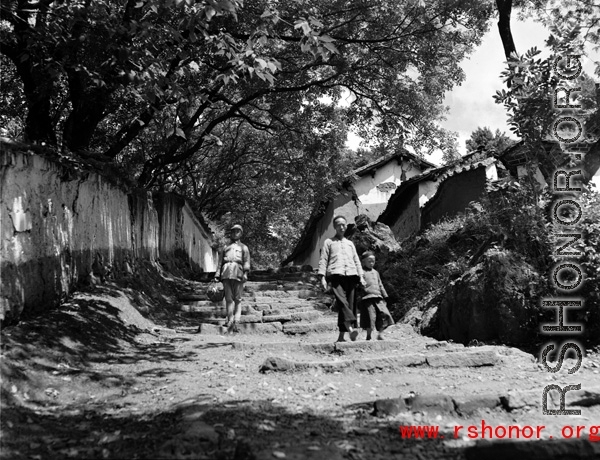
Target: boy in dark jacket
<point x="374" y="313"/>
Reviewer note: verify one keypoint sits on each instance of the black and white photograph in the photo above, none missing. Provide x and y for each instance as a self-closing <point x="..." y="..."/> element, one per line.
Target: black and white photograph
<point x="300" y="229"/>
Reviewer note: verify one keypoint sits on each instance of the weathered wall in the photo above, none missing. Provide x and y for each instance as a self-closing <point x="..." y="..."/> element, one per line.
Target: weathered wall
<point x="409" y="218"/>
<point x="56" y="220"/>
<point x="372" y="197"/>
<point x="454" y="195"/>
<point x="371" y="200"/>
<point x="323" y="231"/>
<point x="181" y="232"/>
<point x="197" y="242"/>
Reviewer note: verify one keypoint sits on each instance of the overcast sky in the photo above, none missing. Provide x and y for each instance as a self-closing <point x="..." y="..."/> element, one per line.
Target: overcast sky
<point x="472" y="104"/>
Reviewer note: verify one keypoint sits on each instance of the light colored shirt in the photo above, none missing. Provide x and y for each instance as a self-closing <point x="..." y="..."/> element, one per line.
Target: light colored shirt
<point x="373" y="285"/>
<point x="235" y="261"/>
<point x="339" y="257"/>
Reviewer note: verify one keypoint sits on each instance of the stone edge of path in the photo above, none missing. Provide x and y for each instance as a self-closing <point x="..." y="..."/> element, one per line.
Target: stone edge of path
<point x="319" y="347"/>
<point x="474" y="358"/>
<point x="465" y="405"/>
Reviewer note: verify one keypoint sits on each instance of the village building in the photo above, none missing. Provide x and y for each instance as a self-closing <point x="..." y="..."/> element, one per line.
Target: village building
<point x="366" y="191"/>
<point x="438" y="194"/>
<point x="408" y="194"/>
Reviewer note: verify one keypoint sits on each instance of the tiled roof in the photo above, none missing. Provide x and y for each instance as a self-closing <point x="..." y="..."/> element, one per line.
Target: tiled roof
<point x="381" y="161"/>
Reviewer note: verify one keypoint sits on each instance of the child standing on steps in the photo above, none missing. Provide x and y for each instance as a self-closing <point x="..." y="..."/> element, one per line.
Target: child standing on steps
<point x="235" y="265"/>
<point x="373" y="308"/>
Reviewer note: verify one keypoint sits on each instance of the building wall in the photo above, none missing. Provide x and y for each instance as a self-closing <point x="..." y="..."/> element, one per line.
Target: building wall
<point x="427" y="189"/>
<point x="323" y="230"/>
<point x="372" y="201"/>
<point x="56" y="220"/>
<point x="539" y="177"/>
<point x="596" y="180"/>
<point x="197" y="243"/>
<point x="409" y="217"/>
<point x="374" y="192"/>
<point x="454" y="195"/>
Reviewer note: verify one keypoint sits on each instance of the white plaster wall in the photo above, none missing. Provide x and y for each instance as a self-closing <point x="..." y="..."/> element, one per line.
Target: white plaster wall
<point x="54" y="221"/>
<point x="323" y="231"/>
<point x="491" y="172"/>
<point x="596" y="180"/>
<point x="371" y="202"/>
<point x="197" y="242"/>
<point x="427" y="189"/>
<point x="522" y="172"/>
<point x="366" y="186"/>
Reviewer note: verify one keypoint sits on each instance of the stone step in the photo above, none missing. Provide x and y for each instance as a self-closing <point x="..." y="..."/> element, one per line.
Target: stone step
<point x="279" y="364"/>
<point x="274" y="285"/>
<point x="221" y="319"/>
<point x="192" y="297"/>
<point x="272" y="296"/>
<point x="245" y="328"/>
<point x="263" y="303"/>
<point x="282" y="301"/>
<point x="270" y="276"/>
<point x="308" y="293"/>
<point x="203" y="304"/>
<point x="292" y="293"/>
<point x="267" y="285"/>
<point x="217" y="310"/>
<point x="293" y="317"/>
<point x="476" y="358"/>
<point x="308" y="328"/>
<point x="283" y="308"/>
<point x="323" y="347"/>
<point x="292" y="309"/>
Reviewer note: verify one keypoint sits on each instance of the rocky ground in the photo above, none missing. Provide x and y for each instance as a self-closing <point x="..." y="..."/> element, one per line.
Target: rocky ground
<point x="120" y="371"/>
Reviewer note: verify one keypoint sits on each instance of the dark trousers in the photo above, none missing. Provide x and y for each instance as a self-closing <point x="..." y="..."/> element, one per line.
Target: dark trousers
<point x="344" y="289"/>
<point x="374" y="314"/>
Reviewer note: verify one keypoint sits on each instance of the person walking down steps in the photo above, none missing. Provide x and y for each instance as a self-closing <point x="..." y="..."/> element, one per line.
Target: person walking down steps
<point x="374" y="313"/>
<point x="340" y="267"/>
<point x="235" y="265"/>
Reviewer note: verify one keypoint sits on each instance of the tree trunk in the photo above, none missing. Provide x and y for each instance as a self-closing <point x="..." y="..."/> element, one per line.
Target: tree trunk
<point x="38" y="123"/>
<point x="39" y="89"/>
<point x="89" y="109"/>
<point x="504" y="10"/>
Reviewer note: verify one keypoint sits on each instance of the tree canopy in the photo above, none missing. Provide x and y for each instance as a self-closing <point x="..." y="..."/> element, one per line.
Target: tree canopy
<point x="222" y="99"/>
<point x="485" y="139"/>
<point x="96" y="75"/>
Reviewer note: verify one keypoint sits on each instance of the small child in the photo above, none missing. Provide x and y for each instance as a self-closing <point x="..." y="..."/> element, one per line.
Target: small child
<point x="373" y="308"/>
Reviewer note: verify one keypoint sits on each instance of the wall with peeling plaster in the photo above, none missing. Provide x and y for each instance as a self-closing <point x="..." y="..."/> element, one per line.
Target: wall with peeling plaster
<point x="55" y="220"/>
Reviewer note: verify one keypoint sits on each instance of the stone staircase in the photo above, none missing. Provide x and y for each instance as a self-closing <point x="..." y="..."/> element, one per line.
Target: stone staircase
<point x="287" y="319"/>
<point x="284" y="303"/>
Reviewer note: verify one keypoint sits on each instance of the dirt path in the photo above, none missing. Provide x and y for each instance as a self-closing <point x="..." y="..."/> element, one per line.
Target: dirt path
<point x="96" y="379"/>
